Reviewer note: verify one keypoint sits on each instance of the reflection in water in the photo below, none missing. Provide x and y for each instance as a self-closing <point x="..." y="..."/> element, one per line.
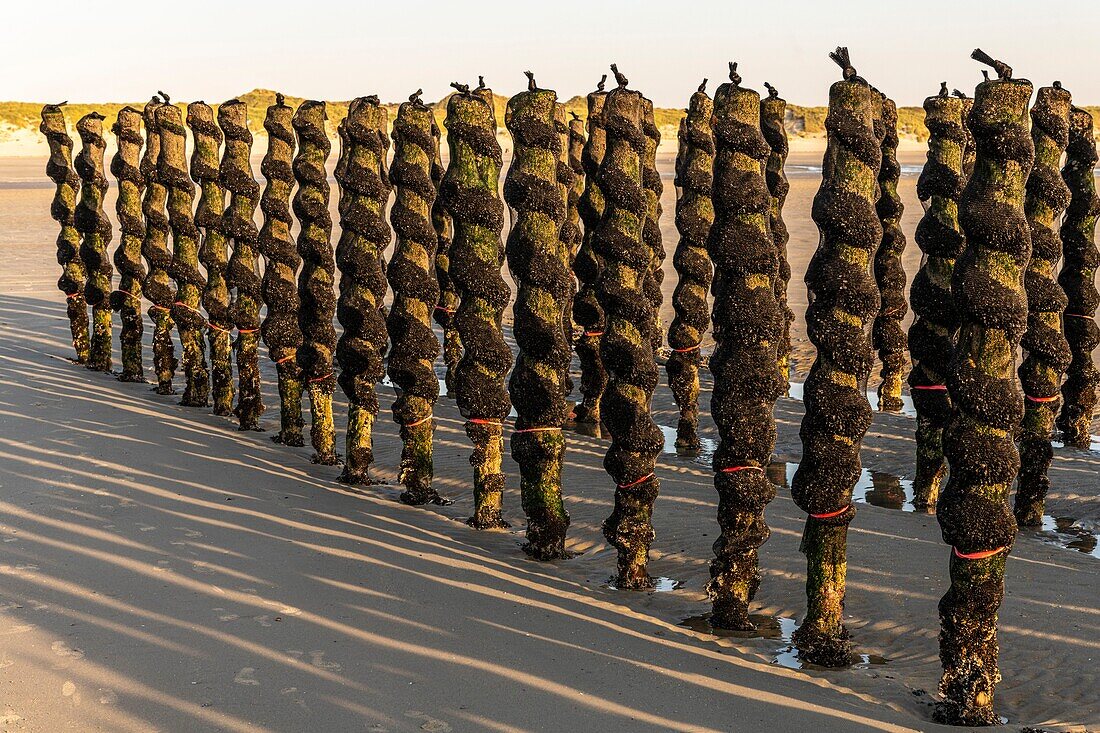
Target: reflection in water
<point x="704" y="455"/>
<point x="775" y="627"/>
<point x="874" y="487"/>
<point x="1070" y="533"/>
<point x="661" y="584"/>
<point x="907" y="407"/>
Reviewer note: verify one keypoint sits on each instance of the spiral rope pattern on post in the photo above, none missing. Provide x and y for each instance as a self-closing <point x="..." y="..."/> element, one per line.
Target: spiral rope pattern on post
<point x="843" y="302"/>
<point x="469" y="192"/>
<point x="95" y="234"/>
<point x="627" y="345"/>
<point x="157" y="286"/>
<point x="535" y="253"/>
<point x="213" y="251"/>
<point x="364" y="234"/>
<point x="126" y="168"/>
<point x="444" y="311"/>
<point x="316" y="281"/>
<point x="987" y="287"/>
<point x="694" y="216"/>
<point x="1077" y="278"/>
<point x="887" y="335"/>
<point x="279" y="329"/>
<point x="651" y="232"/>
<point x="242" y="274"/>
<point x="936" y="319"/>
<point x="190" y="282"/>
<point x="59" y="169"/>
<point x="747" y="327"/>
<point x="1046" y="349"/>
<point x="773" y="112"/>
<point x="413" y="344"/>
<point x="587" y="312"/>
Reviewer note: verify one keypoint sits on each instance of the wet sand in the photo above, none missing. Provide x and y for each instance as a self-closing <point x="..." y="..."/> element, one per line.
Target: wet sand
<point x="162" y="570"/>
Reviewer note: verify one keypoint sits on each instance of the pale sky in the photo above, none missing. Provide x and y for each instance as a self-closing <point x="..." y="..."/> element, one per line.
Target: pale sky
<point x="338" y="49"/>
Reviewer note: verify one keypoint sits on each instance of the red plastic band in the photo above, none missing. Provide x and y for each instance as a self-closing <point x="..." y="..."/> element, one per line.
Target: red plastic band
<point x="1042" y="399"/>
<point x="1078" y="315"/>
<point x="157" y="306"/>
<point x="321" y="379"/>
<point x="936" y="387"/>
<point x="247" y="330"/>
<point x="689" y="348"/>
<point x="70" y="296"/>
<point x="216" y="327"/>
<point x="981" y="555"/>
<point x="636" y="481"/>
<point x="485" y="421"/>
<point x="830" y="515"/>
<point x="445" y="310"/>
<point x="418" y="422"/>
<point x="534" y="430"/>
<point x="184" y="305"/>
<point x="735" y="469"/>
<point x="593" y="333"/>
<point x="286" y="358"/>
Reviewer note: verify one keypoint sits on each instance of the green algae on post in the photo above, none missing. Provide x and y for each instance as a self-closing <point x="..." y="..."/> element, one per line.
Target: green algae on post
<point x="1046" y="350"/>
<point x="469" y="193"/>
<point x="536" y="259"/>
<point x="279" y="329"/>
<point x="887" y="335"/>
<point x="95" y="234"/>
<point x="773" y="112"/>
<point x="987" y="289"/>
<point x="364" y="233"/>
<point x="242" y="274"/>
<point x="694" y="216"/>
<point x="936" y="319"/>
<point x="843" y="301"/>
<point x="59" y="169"/>
<point x="316" y="281"/>
<point x="173" y="174"/>
<point x="157" y="286"/>
<point x="1077" y="278"/>
<point x="213" y="251"/>
<point x="413" y="345"/>
<point x="747" y="326"/>
<point x="627" y="346"/>
<point x="587" y="266"/>
<point x="126" y="168"/>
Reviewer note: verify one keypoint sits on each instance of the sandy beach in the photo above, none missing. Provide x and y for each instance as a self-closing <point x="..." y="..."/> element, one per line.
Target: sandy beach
<point x="162" y="571"/>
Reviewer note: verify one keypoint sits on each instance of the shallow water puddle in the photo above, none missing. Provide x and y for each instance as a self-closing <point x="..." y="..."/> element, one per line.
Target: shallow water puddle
<point x="704" y="454"/>
<point x="907" y="407"/>
<point x="661" y="584"/>
<point x="876" y="488"/>
<point x="1070" y="533"/>
<point x="775" y="627"/>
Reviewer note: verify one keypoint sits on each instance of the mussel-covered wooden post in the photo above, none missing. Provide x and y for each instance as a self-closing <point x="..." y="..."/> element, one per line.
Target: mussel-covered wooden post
<point x="887" y="335"/>
<point x="173" y="174"/>
<point x="843" y="302"/>
<point x="651" y="232"/>
<point x="694" y="216"/>
<point x="1078" y="279"/>
<point x="59" y="168"/>
<point x="773" y="112"/>
<point x="364" y="234"/>
<point x="988" y="291"/>
<point x="213" y="251"/>
<point x="587" y="266"/>
<point x="571" y="232"/>
<point x="95" y="234"/>
<point x="126" y="168"/>
<point x="445" y="309"/>
<point x="469" y="191"/>
<point x="627" y="346"/>
<point x="279" y="329"/>
<point x="242" y="275"/>
<point x="535" y="258"/>
<point x="157" y="286"/>
<point x="413" y="345"/>
<point x="316" y="281"/>
<point x="1044" y="343"/>
<point x="936" y="322"/>
<point x="747" y="327"/>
